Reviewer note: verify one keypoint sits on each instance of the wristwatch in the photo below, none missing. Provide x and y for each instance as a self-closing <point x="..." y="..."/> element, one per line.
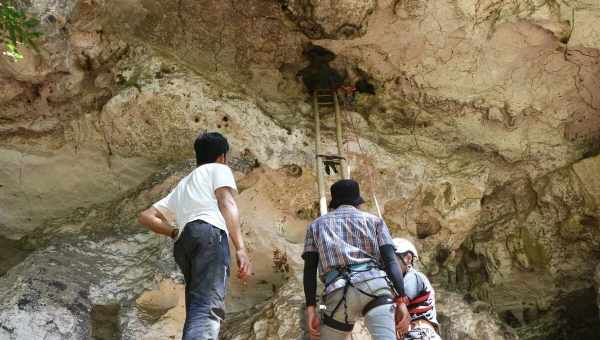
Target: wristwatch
<point x="174" y="233"/>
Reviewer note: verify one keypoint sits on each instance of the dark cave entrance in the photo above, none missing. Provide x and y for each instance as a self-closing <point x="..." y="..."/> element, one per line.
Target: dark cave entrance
<point x="579" y="316"/>
<point x="11" y="254"/>
<point x="105" y="322"/>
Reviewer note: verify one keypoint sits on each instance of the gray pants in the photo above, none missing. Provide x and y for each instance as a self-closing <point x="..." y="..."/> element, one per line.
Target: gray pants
<point x="379" y="320"/>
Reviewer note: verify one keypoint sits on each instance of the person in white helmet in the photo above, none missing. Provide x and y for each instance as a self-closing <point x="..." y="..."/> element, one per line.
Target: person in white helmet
<point x="418" y="289"/>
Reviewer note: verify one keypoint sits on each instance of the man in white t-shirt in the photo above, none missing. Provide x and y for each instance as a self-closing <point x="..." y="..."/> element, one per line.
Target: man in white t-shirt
<point x="205" y="214"/>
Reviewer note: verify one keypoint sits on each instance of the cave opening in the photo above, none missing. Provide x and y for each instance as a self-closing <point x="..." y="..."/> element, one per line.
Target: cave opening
<point x="364" y="86"/>
<point x="11" y="254"/>
<point x="105" y="322"/>
<point x="319" y="75"/>
<point x="578" y="317"/>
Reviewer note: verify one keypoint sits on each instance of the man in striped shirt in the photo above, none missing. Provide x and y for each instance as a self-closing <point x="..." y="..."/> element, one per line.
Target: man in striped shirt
<point x="355" y="256"/>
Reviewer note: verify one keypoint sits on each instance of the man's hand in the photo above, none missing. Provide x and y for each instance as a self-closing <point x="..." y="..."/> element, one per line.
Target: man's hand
<point x="244" y="265"/>
<point x="230" y="212"/>
<point x="313" y="323"/>
<point x="402" y="320"/>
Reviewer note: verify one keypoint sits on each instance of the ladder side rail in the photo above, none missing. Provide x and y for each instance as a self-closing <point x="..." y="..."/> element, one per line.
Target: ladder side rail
<point x="319" y="164"/>
<point x="339" y="137"/>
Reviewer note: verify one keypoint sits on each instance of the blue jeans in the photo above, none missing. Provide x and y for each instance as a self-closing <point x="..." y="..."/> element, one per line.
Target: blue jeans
<point x="202" y="254"/>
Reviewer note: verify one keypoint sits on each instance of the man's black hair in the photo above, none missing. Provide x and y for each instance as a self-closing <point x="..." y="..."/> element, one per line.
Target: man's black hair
<point x="209" y="146"/>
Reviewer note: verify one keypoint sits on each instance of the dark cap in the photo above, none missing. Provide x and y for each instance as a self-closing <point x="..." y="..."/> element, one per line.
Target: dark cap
<point x="345" y="191"/>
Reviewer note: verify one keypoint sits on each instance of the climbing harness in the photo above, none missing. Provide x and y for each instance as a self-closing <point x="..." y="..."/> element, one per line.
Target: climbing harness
<point x="347" y="273"/>
<point x="419" y="304"/>
<point x="422" y="327"/>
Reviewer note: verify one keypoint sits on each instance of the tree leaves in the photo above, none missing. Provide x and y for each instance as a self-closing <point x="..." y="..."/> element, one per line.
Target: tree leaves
<point x="16" y="30"/>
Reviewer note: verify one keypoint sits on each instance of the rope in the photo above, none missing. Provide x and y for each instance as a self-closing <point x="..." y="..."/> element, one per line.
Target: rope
<point x="362" y="151"/>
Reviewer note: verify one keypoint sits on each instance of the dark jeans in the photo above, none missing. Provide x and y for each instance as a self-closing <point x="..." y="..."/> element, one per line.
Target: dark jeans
<point x="202" y="254"/>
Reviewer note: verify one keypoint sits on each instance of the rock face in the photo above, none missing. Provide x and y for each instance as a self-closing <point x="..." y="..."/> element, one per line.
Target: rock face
<point x="529" y="238"/>
<point x="597" y="279"/>
<point x="280" y="318"/>
<point x="50" y="118"/>
<point x="480" y="142"/>
<point x="283" y="318"/>
<point x="68" y="292"/>
<point x="329" y="19"/>
<point x="462" y="320"/>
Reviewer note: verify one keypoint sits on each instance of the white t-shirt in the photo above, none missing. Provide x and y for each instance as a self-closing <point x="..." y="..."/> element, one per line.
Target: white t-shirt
<point x="194" y="197"/>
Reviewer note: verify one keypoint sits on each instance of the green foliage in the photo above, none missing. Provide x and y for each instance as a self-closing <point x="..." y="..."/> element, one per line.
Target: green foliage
<point x="16" y="30"/>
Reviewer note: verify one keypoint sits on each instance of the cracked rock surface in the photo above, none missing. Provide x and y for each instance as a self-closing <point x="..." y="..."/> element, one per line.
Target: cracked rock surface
<point x="481" y="143"/>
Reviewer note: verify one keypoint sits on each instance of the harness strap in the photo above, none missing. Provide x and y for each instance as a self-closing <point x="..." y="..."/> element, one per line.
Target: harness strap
<point x="346" y="274"/>
<point x="343" y="299"/>
<point x="340" y="326"/>
<point x="419" y="309"/>
<point x="419" y="299"/>
<point x="363" y="292"/>
<point x="346" y="326"/>
<point x="376" y="302"/>
<point x="343" y="273"/>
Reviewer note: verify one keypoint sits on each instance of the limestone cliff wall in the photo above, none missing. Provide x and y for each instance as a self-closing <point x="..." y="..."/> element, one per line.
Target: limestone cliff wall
<point x="481" y="143"/>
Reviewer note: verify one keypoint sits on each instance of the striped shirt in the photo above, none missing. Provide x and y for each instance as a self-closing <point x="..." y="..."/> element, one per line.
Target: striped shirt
<point x="346" y="236"/>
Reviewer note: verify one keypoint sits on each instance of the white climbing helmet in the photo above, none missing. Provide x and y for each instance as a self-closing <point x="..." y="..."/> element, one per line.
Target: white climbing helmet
<point x="403" y="245"/>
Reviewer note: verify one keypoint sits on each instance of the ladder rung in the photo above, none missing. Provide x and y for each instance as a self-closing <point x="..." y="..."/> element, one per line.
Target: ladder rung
<point x="330" y="157"/>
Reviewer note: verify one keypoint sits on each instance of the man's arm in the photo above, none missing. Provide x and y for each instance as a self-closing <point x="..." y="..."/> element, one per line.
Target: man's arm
<point x="230" y="212"/>
<point x="154" y="220"/>
<point x="311" y="261"/>
<point x="392" y="268"/>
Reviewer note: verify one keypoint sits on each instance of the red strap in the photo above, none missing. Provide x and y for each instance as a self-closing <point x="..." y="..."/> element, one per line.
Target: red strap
<point x="420" y="309"/>
<point x="420" y="299"/>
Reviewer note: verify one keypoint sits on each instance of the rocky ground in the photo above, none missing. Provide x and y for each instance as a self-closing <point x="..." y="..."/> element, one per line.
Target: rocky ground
<point x="481" y="143"/>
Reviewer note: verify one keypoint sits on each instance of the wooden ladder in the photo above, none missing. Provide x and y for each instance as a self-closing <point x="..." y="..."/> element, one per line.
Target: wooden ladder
<point x="328" y="162"/>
